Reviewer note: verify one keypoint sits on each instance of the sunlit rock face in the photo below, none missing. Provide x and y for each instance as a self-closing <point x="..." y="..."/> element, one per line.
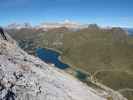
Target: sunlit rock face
<point x="24" y="77"/>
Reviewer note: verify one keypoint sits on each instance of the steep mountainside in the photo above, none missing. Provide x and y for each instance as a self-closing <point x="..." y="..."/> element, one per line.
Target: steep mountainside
<point x="24" y="77"/>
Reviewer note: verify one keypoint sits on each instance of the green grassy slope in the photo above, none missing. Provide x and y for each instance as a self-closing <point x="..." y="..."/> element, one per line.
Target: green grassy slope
<point x="94" y="50"/>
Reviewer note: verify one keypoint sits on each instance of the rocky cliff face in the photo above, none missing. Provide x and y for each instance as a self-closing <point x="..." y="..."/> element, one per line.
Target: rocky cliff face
<point x="24" y="77"/>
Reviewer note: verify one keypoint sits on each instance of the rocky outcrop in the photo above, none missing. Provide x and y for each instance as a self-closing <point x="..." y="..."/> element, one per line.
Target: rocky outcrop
<point x="24" y="77"/>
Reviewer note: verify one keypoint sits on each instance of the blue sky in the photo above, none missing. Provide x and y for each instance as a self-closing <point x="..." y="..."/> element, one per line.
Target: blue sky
<point x="102" y="12"/>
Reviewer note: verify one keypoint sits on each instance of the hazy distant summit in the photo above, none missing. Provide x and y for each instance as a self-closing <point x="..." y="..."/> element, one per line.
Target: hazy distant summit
<point x="66" y="23"/>
<point x="18" y="26"/>
<point x="49" y="25"/>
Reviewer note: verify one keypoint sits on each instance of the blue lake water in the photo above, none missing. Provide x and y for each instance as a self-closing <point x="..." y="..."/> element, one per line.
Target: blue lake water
<point x="50" y="56"/>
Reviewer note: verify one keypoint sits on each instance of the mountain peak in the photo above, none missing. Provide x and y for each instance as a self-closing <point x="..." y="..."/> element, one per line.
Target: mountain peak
<point x="67" y="21"/>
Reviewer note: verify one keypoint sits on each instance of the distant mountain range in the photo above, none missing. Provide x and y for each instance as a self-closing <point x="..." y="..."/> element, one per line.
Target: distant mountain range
<point x="49" y="25"/>
<point x="18" y="26"/>
<point x="130" y="31"/>
<point x="53" y="25"/>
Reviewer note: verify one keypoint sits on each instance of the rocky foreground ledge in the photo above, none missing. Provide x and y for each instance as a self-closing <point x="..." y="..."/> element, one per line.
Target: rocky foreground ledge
<point x="24" y="77"/>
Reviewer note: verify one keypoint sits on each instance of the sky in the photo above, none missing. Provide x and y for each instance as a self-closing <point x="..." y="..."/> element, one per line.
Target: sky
<point x="102" y="12"/>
